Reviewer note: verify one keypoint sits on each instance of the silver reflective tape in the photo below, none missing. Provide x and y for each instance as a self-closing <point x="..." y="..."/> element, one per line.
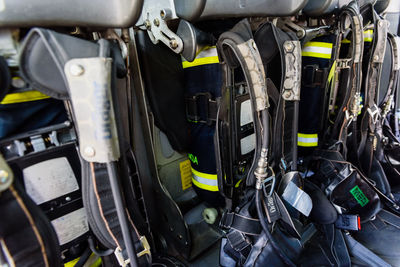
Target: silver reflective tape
<point x="297" y="198"/>
<point x="205" y="181"/>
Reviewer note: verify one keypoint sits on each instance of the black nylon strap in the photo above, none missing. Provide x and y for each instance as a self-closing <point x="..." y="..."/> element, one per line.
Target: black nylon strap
<point x="390" y="218"/>
<point x="240" y="223"/>
<point x="239" y="243"/>
<point x="108" y="210"/>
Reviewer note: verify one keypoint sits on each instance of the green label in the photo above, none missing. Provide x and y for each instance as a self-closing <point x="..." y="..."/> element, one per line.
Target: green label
<point x="193" y="159"/>
<point x="359" y="196"/>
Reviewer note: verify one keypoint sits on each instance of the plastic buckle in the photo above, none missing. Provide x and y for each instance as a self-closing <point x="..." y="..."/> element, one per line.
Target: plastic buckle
<point x="120" y="258"/>
<point x="124" y="262"/>
<point x="146" y="247"/>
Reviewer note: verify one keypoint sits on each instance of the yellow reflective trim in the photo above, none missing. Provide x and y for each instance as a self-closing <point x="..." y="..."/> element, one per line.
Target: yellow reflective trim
<point x="346" y="41"/>
<point x="91" y="261"/>
<point x="368" y="35"/>
<point x="307" y="135"/>
<point x="23" y="97"/>
<point x="317" y="49"/>
<point x="238" y="183"/>
<point x="313" y="54"/>
<point x="319" y="44"/>
<point x="213" y="188"/>
<point x="200" y="61"/>
<point x="332" y="72"/>
<point x="307" y="140"/>
<point x="304" y="144"/>
<point x="204" y="175"/>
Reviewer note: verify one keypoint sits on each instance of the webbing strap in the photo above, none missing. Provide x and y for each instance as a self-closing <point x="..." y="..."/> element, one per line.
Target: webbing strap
<point x="99" y="176"/>
<point x="243" y="224"/>
<point x="370" y="118"/>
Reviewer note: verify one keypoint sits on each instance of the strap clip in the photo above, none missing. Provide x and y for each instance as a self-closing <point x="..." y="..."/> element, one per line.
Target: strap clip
<point x="202" y="108"/>
<point x="124" y="262"/>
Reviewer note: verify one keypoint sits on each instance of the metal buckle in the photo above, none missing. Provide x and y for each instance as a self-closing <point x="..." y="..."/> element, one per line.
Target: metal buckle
<point x="270" y="181"/>
<point x="124" y="262"/>
<point x="374" y="113"/>
<point x="146" y="247"/>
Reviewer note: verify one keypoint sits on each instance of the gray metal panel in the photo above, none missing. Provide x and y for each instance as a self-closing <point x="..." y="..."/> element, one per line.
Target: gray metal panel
<point x="210" y="9"/>
<point x="99" y="13"/>
<point x="248" y="8"/>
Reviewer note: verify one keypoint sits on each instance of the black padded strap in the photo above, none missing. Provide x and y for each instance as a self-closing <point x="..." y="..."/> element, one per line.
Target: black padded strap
<point x="240" y="223"/>
<point x="27" y="239"/>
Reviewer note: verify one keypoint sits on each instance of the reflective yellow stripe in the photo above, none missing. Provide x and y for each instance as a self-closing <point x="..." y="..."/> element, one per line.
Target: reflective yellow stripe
<point x="307" y="140"/>
<point x="368" y="35"/>
<point x="205" y="186"/>
<point x="332" y="72"/>
<point x="317" y="49"/>
<point x="23" y="97"/>
<point x="205" y="181"/>
<point x="206" y="56"/>
<point x="94" y="259"/>
<point x="204" y="175"/>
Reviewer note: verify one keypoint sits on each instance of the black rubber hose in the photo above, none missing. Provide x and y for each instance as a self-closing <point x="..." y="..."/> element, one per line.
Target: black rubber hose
<point x="265" y="145"/>
<point x="264" y="225"/>
<point x="83" y="258"/>
<point x="265" y="127"/>
<point x="100" y="253"/>
<point x="122" y="217"/>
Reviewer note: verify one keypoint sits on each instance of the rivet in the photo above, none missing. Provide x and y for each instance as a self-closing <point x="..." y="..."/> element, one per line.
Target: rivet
<point x="76" y="70"/>
<point x="89" y="151"/>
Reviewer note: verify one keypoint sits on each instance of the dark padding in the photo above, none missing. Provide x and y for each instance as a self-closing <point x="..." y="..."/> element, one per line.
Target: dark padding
<point x="164" y="85"/>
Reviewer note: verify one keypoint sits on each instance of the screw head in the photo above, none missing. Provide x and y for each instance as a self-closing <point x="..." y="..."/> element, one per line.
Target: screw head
<point x="67" y="199"/>
<point x="376" y="57"/>
<point x="287" y="94"/>
<point x="288" y="46"/>
<point x="76" y="70"/>
<point x="173" y="43"/>
<point x="147" y="24"/>
<point x="3" y="176"/>
<point x="89" y="151"/>
<point x="156" y="22"/>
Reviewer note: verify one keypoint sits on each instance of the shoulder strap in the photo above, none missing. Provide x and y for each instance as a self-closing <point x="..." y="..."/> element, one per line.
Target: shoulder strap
<point x="26" y="237"/>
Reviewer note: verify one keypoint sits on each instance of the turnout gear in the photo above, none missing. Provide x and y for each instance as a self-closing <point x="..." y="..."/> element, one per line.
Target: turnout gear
<point x="203" y="91"/>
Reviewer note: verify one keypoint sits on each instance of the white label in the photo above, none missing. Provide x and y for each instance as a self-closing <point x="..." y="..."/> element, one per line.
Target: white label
<point x="49" y="179"/>
<point x="2" y="5"/>
<point x="71" y="226"/>
<point x="246" y="114"/>
<point x="247" y="144"/>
